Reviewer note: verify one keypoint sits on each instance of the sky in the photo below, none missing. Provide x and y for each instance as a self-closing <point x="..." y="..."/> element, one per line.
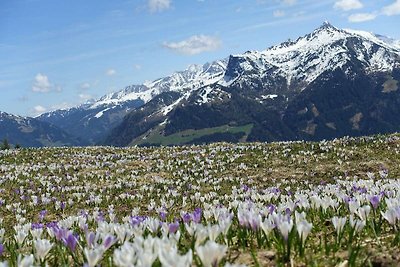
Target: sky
<point x="58" y="53"/>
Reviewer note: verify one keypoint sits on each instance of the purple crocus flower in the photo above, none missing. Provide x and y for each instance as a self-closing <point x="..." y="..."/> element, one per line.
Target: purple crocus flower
<point x="1" y="249"/>
<point x="108" y="242"/>
<point x="374" y="201"/>
<point x="59" y="233"/>
<point x="90" y="239"/>
<point x="186" y="217"/>
<point x="288" y="212"/>
<point x="136" y="220"/>
<point x="173" y="227"/>
<point x="163" y="215"/>
<point x="271" y="208"/>
<point x="37" y="226"/>
<point x="71" y="242"/>
<point x="197" y="215"/>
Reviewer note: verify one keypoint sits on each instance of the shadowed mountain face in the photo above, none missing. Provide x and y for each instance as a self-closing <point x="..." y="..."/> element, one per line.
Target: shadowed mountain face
<point x="29" y="132"/>
<point x="94" y="120"/>
<point x="327" y="84"/>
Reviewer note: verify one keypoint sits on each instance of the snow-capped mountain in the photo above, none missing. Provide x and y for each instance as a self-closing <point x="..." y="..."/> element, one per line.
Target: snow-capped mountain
<point x="328" y="83"/>
<point x="325" y="49"/>
<point x="274" y="90"/>
<point x="93" y="120"/>
<point x="30" y="132"/>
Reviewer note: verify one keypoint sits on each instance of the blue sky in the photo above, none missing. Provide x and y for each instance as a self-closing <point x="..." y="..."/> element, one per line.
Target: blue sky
<point x="58" y="53"/>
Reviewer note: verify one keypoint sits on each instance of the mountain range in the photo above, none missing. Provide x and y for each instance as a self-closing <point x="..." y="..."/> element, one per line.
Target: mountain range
<point x="30" y="132"/>
<point x="327" y="84"/>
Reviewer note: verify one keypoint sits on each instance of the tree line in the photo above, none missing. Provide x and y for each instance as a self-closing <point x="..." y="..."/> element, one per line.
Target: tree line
<point x="5" y="145"/>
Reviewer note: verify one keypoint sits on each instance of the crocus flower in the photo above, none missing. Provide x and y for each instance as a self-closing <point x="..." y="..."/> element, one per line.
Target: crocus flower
<point x="108" y="242"/>
<point x="267" y="225"/>
<point x="363" y="212"/>
<point x="339" y="224"/>
<point x="285" y="227"/>
<point x="211" y="253"/>
<point x="196" y="216"/>
<point x="186" y="217"/>
<point x="71" y="242"/>
<point x="374" y="200"/>
<point x="42" y="248"/>
<point x="303" y="229"/>
<point x="173" y="227"/>
<point x="26" y="261"/>
<point x="93" y="256"/>
<point x="390" y="216"/>
<point x="171" y="258"/>
<point x="356" y="224"/>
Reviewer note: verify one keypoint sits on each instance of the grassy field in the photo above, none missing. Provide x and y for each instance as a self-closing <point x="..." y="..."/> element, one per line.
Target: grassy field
<point x="331" y="203"/>
<point x="157" y="138"/>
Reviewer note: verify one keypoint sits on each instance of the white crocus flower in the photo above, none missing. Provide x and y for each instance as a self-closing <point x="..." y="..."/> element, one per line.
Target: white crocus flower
<point x="37" y="233"/>
<point x="285" y="227"/>
<point x="339" y="224"/>
<point x="201" y="234"/>
<point x="26" y="261"/>
<point x="225" y="224"/>
<point x="363" y="212"/>
<point x="356" y="224"/>
<point x="213" y="231"/>
<point x="299" y="216"/>
<point x="353" y="206"/>
<point x="390" y="216"/>
<point x="172" y="258"/>
<point x="267" y="226"/>
<point x="20" y="236"/>
<point x="94" y="255"/>
<point x="126" y="256"/>
<point x="303" y="229"/>
<point x="42" y="248"/>
<point x="211" y="253"/>
<point x="153" y="225"/>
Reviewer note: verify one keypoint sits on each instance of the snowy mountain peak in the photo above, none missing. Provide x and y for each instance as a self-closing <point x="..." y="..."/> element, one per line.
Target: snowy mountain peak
<point x="325" y="49"/>
<point x="193" y="77"/>
<point x="327" y="25"/>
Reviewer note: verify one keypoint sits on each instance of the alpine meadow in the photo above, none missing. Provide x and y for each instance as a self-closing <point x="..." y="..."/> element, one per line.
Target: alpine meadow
<point x="229" y="133"/>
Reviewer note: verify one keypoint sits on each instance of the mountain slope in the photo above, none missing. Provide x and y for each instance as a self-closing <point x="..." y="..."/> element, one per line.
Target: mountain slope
<point x="29" y="132"/>
<point x="92" y="121"/>
<point x="326" y="84"/>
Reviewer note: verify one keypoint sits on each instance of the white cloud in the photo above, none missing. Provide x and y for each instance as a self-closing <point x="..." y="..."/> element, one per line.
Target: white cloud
<point x="278" y="13"/>
<point x="361" y="17"/>
<point x="41" y="84"/>
<point x="63" y="105"/>
<point x="111" y="72"/>
<point x="158" y="5"/>
<point x="289" y="2"/>
<point x="85" y="97"/>
<point x="137" y="67"/>
<point x="37" y="110"/>
<point x="195" y="45"/>
<point x="393" y="9"/>
<point x="347" y="5"/>
<point x="284" y="2"/>
<point x="85" y="86"/>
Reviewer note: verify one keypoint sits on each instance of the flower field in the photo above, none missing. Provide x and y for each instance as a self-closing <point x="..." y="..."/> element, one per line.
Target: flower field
<point x="332" y="203"/>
